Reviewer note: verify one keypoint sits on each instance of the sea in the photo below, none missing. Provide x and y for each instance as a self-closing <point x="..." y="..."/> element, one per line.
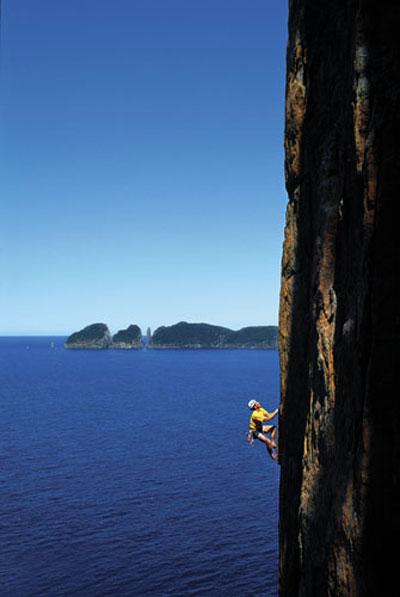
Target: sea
<point x="128" y="472"/>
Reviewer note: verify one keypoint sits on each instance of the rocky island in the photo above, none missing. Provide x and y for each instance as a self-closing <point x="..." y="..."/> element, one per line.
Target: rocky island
<point x="130" y="338"/>
<point x="185" y="335"/>
<point x="95" y="337"/>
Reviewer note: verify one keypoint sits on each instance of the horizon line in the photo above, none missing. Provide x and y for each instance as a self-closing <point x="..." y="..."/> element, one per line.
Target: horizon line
<point x="66" y="334"/>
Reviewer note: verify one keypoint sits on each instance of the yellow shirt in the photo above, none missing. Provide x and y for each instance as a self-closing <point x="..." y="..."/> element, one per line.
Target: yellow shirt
<point x="256" y="419"/>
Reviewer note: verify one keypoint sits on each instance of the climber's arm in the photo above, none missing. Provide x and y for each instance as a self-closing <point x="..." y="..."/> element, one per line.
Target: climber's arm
<point x="270" y="416"/>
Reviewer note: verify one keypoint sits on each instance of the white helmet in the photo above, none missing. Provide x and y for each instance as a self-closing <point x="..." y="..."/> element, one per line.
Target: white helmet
<point x="252" y="404"/>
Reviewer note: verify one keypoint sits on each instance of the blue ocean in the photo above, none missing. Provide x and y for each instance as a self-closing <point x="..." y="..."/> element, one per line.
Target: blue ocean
<point x="128" y="472"/>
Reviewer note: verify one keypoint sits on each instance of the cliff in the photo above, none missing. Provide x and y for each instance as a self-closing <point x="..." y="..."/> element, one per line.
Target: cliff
<point x="94" y="336"/>
<point x="130" y="338"/>
<point x="185" y="335"/>
<point x="339" y="322"/>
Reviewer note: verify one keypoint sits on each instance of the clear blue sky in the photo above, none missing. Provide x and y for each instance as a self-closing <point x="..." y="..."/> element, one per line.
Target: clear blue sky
<point x="141" y="162"/>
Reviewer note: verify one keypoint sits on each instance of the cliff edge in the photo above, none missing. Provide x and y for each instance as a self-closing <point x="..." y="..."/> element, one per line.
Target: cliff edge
<point x="339" y="321"/>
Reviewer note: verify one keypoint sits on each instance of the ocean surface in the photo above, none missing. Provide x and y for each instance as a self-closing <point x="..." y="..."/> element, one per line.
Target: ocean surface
<point x="128" y="473"/>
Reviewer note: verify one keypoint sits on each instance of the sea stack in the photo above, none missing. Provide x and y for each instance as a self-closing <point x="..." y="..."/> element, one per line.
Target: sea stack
<point x="130" y="338"/>
<point x="339" y="308"/>
<point x="94" y="337"/>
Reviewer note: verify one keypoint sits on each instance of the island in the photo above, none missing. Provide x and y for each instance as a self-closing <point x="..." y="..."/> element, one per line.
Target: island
<point x="94" y="337"/>
<point x="185" y="335"/>
<point x="182" y="335"/>
<point x="128" y="339"/>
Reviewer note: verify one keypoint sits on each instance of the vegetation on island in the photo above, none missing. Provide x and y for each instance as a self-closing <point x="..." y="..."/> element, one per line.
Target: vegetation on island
<point x="264" y="336"/>
<point x="131" y="337"/>
<point x="96" y="335"/>
<point x="182" y="335"/>
<point x="204" y="335"/>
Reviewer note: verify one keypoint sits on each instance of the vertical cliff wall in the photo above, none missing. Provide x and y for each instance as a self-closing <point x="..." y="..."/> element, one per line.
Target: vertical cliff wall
<point x="339" y="311"/>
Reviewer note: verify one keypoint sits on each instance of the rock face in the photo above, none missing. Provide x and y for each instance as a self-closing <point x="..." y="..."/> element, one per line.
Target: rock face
<point x="339" y="322"/>
<point x="94" y="336"/>
<point x="130" y="338"/>
<point x="203" y="335"/>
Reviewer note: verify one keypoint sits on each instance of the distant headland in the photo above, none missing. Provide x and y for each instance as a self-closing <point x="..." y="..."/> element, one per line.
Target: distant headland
<point x="182" y="335"/>
<point x="203" y="335"/>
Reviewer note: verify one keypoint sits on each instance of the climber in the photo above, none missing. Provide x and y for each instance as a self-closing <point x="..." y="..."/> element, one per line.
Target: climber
<point x="262" y="432"/>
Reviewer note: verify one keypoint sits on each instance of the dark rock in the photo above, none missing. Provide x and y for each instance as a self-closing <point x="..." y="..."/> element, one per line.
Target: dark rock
<point x="339" y="323"/>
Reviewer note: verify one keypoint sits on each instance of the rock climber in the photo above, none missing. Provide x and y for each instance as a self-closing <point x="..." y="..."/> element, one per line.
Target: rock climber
<point x="257" y="429"/>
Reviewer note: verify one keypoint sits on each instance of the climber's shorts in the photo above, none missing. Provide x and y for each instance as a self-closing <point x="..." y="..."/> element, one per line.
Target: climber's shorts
<point x="256" y="433"/>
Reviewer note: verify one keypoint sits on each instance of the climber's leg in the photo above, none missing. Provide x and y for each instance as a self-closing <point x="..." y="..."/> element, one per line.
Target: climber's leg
<point x="272" y="430"/>
<point x="268" y="443"/>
